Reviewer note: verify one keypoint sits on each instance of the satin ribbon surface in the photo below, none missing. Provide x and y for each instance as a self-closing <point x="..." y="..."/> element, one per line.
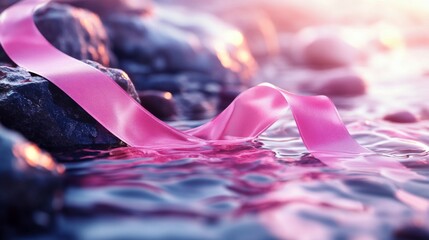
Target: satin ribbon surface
<point x="251" y="113"/>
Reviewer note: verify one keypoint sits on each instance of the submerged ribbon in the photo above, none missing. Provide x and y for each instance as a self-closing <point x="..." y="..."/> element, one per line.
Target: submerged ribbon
<point x="251" y="113"/>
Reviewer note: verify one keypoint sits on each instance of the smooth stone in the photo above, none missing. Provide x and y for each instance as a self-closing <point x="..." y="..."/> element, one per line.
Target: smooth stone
<point x="29" y="186"/>
<point x="218" y="36"/>
<point x="227" y="96"/>
<point x="77" y="32"/>
<point x="160" y="104"/>
<point x="195" y="105"/>
<point x="321" y="49"/>
<point x="156" y="46"/>
<point x="109" y="6"/>
<point x="180" y="83"/>
<point x="45" y="115"/>
<point x="335" y="83"/>
<point x="179" y="52"/>
<point x="186" y="83"/>
<point x="6" y="3"/>
<point x="401" y="117"/>
<point x="413" y="232"/>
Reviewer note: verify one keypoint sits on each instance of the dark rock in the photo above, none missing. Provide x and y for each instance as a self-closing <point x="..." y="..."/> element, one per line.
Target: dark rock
<point x="6" y="3"/>
<point x="210" y="96"/>
<point x="44" y="114"/>
<point x="109" y="6"/>
<point x="4" y="59"/>
<point x="29" y="186"/>
<point x="401" y="117"/>
<point x="411" y="233"/>
<point x="169" y="52"/>
<point x="158" y="47"/>
<point x="216" y="37"/>
<point x="76" y="32"/>
<point x="181" y="83"/>
<point x="160" y="104"/>
<point x="196" y="106"/>
<point x="227" y="96"/>
<point x="119" y="76"/>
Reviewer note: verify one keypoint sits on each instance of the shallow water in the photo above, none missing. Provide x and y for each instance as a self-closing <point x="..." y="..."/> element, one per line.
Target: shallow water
<point x="270" y="188"/>
<point x="266" y="189"/>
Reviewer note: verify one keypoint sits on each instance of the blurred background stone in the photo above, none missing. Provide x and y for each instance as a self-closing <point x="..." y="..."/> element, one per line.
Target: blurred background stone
<point x="182" y="52"/>
<point x="401" y="117"/>
<point x="77" y="32"/>
<point x="29" y="187"/>
<point x="321" y="49"/>
<point x="335" y="83"/>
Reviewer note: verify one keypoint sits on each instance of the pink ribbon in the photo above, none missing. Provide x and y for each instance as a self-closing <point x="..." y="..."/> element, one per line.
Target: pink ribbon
<point x="251" y="113"/>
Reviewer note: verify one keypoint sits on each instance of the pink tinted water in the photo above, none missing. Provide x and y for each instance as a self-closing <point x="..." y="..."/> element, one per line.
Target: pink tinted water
<point x="270" y="188"/>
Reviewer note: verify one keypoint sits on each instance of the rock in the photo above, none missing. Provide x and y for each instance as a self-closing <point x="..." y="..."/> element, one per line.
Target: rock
<point x="335" y="83"/>
<point x="256" y="24"/>
<point x="319" y="48"/>
<point x="42" y="113"/>
<point x="6" y="3"/>
<point x="29" y="186"/>
<point x="196" y="106"/>
<point x="401" y="117"/>
<point x="109" y="6"/>
<point x="156" y="47"/>
<point x="76" y="32"/>
<point x="180" y="52"/>
<point x="4" y="59"/>
<point x="411" y="232"/>
<point x="160" y="104"/>
<point x="224" y="41"/>
<point x="172" y="50"/>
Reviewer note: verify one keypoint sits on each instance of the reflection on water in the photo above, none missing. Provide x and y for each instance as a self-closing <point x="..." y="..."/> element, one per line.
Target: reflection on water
<point x="267" y="189"/>
<point x="271" y="188"/>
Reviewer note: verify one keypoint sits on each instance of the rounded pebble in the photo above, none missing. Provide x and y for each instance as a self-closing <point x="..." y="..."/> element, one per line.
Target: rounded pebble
<point x="401" y="117"/>
<point x="161" y="104"/>
<point x="336" y="83"/>
<point x="317" y="49"/>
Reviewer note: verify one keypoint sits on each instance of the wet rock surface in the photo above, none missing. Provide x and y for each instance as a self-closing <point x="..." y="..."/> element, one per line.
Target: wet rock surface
<point x="40" y="111"/>
<point x="77" y="32"/>
<point x="161" y="104"/>
<point x="29" y="187"/>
